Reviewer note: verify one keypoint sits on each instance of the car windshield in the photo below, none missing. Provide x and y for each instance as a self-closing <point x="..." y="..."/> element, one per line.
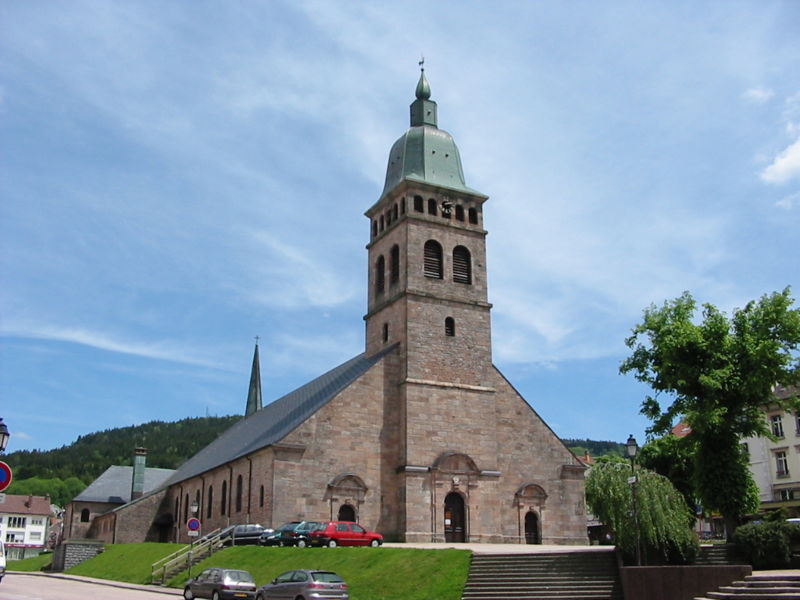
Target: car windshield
<point x="309" y="526"/>
<point x="240" y="576"/>
<point x="327" y="577"/>
<point x="287" y="527"/>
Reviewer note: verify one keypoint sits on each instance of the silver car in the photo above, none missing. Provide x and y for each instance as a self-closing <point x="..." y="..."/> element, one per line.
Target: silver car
<point x="221" y="584"/>
<point x="305" y="584"/>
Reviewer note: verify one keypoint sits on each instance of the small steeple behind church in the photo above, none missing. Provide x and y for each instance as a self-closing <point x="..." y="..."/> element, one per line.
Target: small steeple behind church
<point x="254" y="392"/>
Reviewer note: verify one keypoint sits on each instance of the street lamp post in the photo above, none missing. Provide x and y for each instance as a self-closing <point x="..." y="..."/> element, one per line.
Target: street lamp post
<point x="633" y="448"/>
<point x="4" y="435"/>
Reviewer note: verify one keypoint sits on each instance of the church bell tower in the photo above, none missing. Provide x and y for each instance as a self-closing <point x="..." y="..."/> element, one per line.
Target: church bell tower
<point x="427" y="259"/>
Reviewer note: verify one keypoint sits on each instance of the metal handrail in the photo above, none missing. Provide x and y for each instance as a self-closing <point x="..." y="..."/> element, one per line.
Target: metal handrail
<point x="182" y="555"/>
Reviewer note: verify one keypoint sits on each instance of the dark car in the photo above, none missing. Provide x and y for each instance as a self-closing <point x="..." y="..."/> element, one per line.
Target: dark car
<point x="274" y="537"/>
<point x="305" y="585"/>
<point x="344" y="533"/>
<point x="221" y="584"/>
<point x="240" y="535"/>
<point x="300" y="536"/>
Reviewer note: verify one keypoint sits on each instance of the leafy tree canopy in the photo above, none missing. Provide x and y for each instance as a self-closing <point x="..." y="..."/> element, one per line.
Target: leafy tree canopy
<point x="719" y="374"/>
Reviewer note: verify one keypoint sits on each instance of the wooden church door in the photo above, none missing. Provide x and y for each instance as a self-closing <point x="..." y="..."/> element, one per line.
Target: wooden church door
<point x="454" y="518"/>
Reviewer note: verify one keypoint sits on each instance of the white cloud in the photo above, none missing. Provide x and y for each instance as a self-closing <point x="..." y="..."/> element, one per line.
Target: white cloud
<point x="785" y="166"/>
<point x="758" y="95"/>
<point x="160" y="350"/>
<point x="789" y="202"/>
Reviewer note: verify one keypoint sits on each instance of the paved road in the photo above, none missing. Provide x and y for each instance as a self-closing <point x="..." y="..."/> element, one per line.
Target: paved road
<point x="16" y="586"/>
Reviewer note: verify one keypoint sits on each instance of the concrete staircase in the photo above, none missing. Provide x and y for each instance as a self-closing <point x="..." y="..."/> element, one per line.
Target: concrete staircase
<point x="570" y="575"/>
<point x="759" y="587"/>
<point x="719" y="554"/>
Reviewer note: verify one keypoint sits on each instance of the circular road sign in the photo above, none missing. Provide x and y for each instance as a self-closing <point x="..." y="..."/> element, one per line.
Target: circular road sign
<point x="193" y="524"/>
<point x="5" y="476"/>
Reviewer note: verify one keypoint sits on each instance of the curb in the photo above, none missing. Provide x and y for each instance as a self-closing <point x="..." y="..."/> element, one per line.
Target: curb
<point x="106" y="582"/>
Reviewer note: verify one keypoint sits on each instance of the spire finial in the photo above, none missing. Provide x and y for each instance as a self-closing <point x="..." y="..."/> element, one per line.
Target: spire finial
<point x="423" y="88"/>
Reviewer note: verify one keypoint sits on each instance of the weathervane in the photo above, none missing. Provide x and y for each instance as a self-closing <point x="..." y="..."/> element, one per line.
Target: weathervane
<point x="421" y="62"/>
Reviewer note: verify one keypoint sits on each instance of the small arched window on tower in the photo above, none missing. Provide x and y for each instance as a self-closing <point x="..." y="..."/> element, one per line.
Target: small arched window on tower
<point x="433" y="259"/>
<point x="375" y="228"/>
<point x="473" y="216"/>
<point x="394" y="265"/>
<point x="380" y="282"/>
<point x="432" y="206"/>
<point x="449" y="327"/>
<point x="459" y="212"/>
<point x="85" y="513"/>
<point x="419" y="204"/>
<point x="462" y="265"/>
<point x="394" y="213"/>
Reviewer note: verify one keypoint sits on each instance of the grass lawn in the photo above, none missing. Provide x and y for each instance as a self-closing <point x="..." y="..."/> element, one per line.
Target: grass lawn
<point x="370" y="573"/>
<point x="34" y="563"/>
<point x="125" y="562"/>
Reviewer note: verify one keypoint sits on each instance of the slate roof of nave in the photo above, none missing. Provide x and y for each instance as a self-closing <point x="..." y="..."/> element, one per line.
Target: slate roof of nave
<point x="114" y="485"/>
<point x="276" y="420"/>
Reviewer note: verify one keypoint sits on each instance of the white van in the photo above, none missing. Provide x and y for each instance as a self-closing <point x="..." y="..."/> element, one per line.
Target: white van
<point x="2" y="560"/>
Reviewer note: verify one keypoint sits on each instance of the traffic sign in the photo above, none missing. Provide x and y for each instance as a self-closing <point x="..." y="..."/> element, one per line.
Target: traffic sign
<point x="5" y="476"/>
<point x="193" y="524"/>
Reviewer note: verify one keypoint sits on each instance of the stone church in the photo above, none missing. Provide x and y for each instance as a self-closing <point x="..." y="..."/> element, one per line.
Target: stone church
<point x="420" y="437"/>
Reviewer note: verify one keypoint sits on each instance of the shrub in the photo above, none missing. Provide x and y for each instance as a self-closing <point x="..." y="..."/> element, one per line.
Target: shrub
<point x="767" y="545"/>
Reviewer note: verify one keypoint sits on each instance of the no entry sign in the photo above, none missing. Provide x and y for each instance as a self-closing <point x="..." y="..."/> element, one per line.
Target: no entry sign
<point x="5" y="476"/>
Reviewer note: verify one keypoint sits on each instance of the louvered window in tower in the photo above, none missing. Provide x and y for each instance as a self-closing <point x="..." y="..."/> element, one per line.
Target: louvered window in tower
<point x="380" y="267"/>
<point x="433" y="260"/>
<point x="462" y="265"/>
<point x="394" y="266"/>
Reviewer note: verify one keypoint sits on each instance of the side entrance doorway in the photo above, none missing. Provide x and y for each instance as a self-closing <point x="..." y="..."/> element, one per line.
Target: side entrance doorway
<point x="454" y="518"/>
<point x="532" y="535"/>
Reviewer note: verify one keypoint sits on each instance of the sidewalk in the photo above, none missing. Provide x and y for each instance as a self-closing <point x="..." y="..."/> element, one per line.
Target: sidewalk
<point x="107" y="582"/>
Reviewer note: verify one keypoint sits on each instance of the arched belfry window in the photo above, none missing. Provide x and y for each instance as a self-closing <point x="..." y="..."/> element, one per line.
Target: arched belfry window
<point x="462" y="265"/>
<point x="394" y="265"/>
<point x="380" y="277"/>
<point x="433" y="259"/>
<point x="459" y="212"/>
<point x="473" y="216"/>
<point x="419" y="204"/>
<point x="394" y="213"/>
<point x="431" y="206"/>
<point x="449" y="326"/>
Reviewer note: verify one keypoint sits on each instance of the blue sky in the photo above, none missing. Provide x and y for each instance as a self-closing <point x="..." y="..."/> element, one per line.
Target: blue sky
<point x="179" y="177"/>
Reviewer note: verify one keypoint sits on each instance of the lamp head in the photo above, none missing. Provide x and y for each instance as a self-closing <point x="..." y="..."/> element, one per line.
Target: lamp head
<point x="631" y="447"/>
<point x="4" y="435"/>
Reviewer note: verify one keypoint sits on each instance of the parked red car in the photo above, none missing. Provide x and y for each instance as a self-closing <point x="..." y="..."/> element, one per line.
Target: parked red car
<point x="344" y="533"/>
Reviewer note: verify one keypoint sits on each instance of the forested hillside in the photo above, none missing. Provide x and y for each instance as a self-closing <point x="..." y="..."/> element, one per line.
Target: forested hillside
<point x="65" y="471"/>
<point x="595" y="448"/>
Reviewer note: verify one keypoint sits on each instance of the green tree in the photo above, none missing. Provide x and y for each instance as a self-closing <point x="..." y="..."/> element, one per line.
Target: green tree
<point x="718" y="374"/>
<point x="672" y="457"/>
<point x="664" y="521"/>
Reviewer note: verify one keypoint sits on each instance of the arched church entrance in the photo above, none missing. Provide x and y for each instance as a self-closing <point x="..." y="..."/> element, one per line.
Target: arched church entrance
<point x="346" y="513"/>
<point x="532" y="535"/>
<point x="454" y="518"/>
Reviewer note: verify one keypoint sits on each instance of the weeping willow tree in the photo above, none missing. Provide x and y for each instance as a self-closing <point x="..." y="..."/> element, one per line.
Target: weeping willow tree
<point x="664" y="520"/>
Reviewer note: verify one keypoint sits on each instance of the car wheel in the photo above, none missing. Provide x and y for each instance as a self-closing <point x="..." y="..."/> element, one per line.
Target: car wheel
<point x="332" y="544"/>
<point x="375" y="543"/>
<point x="302" y="543"/>
<point x="187" y="594"/>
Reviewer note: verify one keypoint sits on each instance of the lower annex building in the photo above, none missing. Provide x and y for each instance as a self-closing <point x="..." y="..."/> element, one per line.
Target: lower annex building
<point x="419" y="437"/>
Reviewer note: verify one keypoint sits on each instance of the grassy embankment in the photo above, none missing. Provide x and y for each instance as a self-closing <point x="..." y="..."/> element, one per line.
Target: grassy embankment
<point x="371" y="574"/>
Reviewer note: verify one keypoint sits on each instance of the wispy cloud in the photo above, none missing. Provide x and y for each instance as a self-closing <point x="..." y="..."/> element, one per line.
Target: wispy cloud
<point x="158" y="350"/>
<point x="785" y="167"/>
<point x="758" y="95"/>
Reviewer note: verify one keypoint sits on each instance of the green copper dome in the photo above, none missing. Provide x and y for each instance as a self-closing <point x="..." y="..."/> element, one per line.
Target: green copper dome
<point x="425" y="153"/>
